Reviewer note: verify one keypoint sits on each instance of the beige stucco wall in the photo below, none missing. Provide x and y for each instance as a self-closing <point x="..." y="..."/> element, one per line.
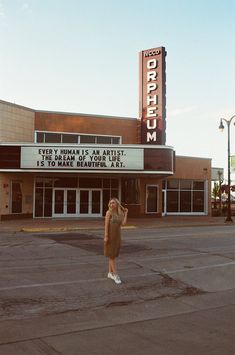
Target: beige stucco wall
<point x="27" y="181"/>
<point x="16" y="123"/>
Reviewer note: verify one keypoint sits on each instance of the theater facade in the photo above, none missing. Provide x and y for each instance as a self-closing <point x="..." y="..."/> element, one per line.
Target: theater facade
<point x="63" y="165"/>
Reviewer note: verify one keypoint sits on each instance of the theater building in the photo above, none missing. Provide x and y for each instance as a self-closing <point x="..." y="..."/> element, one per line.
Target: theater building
<point x="63" y="165"/>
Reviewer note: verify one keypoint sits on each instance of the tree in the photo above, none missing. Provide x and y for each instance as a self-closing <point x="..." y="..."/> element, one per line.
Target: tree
<point x="215" y="192"/>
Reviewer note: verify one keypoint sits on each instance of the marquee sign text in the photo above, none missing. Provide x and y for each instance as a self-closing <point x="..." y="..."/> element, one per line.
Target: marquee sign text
<point x="82" y="158"/>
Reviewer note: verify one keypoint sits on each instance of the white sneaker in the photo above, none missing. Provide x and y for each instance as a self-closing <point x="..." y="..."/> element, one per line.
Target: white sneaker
<point x="117" y="279"/>
<point x="110" y="275"/>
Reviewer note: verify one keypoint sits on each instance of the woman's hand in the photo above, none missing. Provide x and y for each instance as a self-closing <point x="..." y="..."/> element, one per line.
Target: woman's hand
<point x="105" y="239"/>
<point x="125" y="210"/>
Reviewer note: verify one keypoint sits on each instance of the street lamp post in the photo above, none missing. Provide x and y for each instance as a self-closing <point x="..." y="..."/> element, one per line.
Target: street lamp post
<point x="221" y="127"/>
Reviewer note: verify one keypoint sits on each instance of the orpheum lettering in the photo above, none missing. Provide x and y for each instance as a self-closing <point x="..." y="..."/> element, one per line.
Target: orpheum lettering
<point x="152" y="96"/>
<point x="152" y="100"/>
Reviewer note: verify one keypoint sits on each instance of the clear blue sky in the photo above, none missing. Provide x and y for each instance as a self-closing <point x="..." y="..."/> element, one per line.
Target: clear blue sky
<point x="82" y="56"/>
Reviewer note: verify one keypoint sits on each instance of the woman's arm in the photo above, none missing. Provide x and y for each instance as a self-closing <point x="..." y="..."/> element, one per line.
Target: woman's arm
<point x="106" y="226"/>
<point x="125" y="217"/>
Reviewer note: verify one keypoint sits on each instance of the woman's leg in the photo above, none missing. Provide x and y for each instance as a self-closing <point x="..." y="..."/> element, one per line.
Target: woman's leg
<point x="112" y="266"/>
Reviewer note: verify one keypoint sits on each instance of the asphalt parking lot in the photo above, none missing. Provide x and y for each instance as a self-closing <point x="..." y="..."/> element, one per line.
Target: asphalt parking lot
<point x="177" y="295"/>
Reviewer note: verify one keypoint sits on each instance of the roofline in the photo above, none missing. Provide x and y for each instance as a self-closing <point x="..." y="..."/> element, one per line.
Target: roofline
<point x="189" y="156"/>
<point x="86" y="114"/>
<point x="16" y="105"/>
<point x="66" y="113"/>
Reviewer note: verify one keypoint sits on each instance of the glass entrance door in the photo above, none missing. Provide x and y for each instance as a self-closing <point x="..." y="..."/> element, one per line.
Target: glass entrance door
<point x="90" y="202"/>
<point x="75" y="203"/>
<point x="64" y="202"/>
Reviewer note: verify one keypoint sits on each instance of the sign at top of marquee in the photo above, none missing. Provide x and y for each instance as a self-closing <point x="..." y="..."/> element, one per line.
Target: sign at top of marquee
<point x="152" y="96"/>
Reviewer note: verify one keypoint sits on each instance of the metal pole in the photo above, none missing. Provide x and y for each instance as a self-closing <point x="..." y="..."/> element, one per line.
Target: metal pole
<point x="229" y="219"/>
<point x="220" y="183"/>
<point x="228" y="122"/>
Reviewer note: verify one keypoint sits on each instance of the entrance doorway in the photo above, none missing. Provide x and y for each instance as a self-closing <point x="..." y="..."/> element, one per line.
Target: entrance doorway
<point x="90" y="202"/>
<point x="64" y="202"/>
<point x="69" y="202"/>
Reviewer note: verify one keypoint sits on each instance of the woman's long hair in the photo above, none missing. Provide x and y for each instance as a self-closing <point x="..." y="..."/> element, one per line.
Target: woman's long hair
<point x="120" y="208"/>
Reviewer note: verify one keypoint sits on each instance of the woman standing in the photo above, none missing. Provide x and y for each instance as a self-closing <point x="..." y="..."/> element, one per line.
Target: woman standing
<point x="116" y="216"/>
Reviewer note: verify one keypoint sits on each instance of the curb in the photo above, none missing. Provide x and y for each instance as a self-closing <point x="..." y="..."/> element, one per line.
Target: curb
<point x="71" y="229"/>
<point x="64" y="229"/>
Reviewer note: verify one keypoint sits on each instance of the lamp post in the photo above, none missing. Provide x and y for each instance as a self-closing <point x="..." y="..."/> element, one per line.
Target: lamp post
<point x="221" y="127"/>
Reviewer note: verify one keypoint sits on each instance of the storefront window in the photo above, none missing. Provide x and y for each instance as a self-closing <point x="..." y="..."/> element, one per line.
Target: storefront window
<point x="172" y="201"/>
<point x="103" y="140"/>
<point x="48" y="182"/>
<point x="130" y="191"/>
<point x="40" y="137"/>
<point x="106" y="198"/>
<point x="172" y="184"/>
<point x="87" y="139"/>
<point x="39" y="183"/>
<point x="115" y="140"/>
<point x="38" y="203"/>
<point x="198" y="185"/>
<point x="110" y="189"/>
<point x="114" y="193"/>
<point x="16" y="197"/>
<point x="48" y="203"/>
<point x="66" y="190"/>
<point x="198" y="201"/>
<point x="185" y="196"/>
<point x="90" y="182"/>
<point x="185" y="201"/>
<point x="52" y="138"/>
<point x="69" y="138"/>
<point x="114" y="183"/>
<point x="66" y="182"/>
<point x="185" y="184"/>
<point x="106" y="183"/>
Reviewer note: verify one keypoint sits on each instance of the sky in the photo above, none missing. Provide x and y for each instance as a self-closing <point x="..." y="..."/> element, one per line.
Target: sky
<point x="82" y="56"/>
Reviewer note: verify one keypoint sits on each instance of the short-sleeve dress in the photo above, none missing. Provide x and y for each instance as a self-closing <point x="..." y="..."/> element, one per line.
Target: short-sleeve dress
<point x="112" y="247"/>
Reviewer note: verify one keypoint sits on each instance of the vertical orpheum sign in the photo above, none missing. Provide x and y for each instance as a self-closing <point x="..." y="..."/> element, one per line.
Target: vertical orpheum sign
<point x="152" y="110"/>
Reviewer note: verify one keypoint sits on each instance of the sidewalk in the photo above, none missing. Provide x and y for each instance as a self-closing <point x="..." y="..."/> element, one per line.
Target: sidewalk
<point x="41" y="225"/>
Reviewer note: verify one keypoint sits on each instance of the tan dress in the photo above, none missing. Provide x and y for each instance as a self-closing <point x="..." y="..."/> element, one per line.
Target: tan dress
<point x="112" y="247"/>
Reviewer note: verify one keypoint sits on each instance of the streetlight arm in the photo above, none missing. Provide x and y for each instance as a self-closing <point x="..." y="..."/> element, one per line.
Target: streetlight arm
<point x="225" y="120"/>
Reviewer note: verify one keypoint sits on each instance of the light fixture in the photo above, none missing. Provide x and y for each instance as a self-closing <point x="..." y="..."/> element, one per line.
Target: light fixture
<point x="221" y="126"/>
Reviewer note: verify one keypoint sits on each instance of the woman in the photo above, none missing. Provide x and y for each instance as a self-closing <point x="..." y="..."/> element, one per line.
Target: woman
<point x="116" y="216"/>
